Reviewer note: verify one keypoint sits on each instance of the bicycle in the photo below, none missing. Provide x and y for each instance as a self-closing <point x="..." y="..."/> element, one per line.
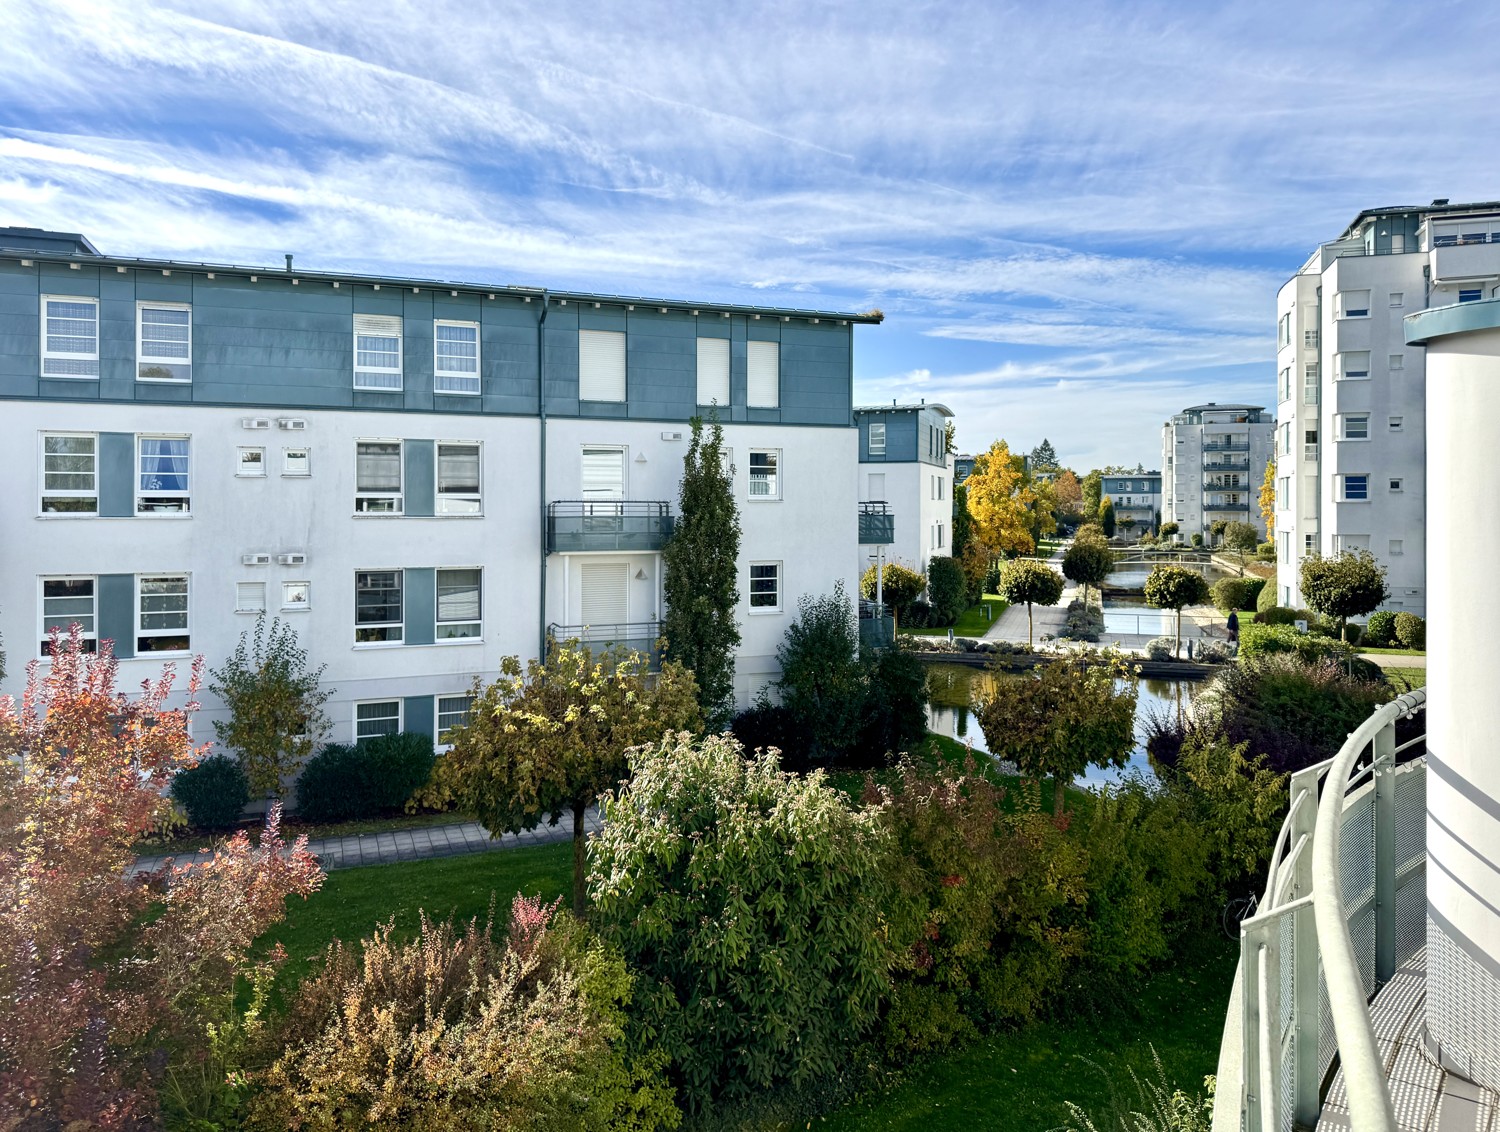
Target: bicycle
<point x="1236" y="910"/>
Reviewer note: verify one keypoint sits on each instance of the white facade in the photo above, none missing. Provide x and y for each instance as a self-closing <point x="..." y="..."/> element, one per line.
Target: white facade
<point x="904" y="463"/>
<point x="1213" y="461"/>
<point x="1351" y="394"/>
<point x="1136" y="497"/>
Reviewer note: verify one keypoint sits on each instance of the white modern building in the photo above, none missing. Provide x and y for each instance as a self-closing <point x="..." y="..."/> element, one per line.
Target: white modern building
<point x="1351" y="432"/>
<point x="1213" y="461"/>
<point x="905" y="483"/>
<point x="1136" y="498"/>
<point x="423" y="477"/>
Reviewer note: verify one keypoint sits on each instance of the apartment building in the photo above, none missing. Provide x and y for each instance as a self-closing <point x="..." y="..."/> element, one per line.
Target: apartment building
<point x="423" y="477"/>
<point x="906" y="481"/>
<point x="1137" y="500"/>
<point x="1213" y="461"/>
<point x="1351" y="392"/>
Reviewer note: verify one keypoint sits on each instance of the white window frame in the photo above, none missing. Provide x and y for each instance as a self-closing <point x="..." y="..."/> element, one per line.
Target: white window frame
<point x="256" y="466"/>
<point x="776" y="475"/>
<point x="1342" y="373"/>
<point x="143" y="360"/>
<point x="287" y="455"/>
<point x="71" y="492"/>
<point x="877" y="449"/>
<point x="366" y="501"/>
<point x="1284" y="384"/>
<point x="475" y="627"/>
<point x="1346" y="419"/>
<point x="87" y="358"/>
<point x="144" y="497"/>
<point x="399" y="626"/>
<point x="457" y="500"/>
<point x="762" y="388"/>
<point x="438" y="713"/>
<point x="1341" y="304"/>
<point x="600" y="387"/>
<point x="400" y="717"/>
<point x="1396" y="547"/>
<point x="1396" y="363"/>
<point x="289" y="589"/>
<point x="90" y="635"/>
<point x="1395" y="484"/>
<point x="750" y="593"/>
<point x="378" y="378"/>
<point x="713" y="371"/>
<point x="1398" y="298"/>
<point x="1342" y="484"/>
<point x="143" y="634"/>
<point x="245" y="599"/>
<point x="461" y="382"/>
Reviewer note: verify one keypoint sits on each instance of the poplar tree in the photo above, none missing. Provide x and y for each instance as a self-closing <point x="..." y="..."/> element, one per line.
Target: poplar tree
<point x="702" y="570"/>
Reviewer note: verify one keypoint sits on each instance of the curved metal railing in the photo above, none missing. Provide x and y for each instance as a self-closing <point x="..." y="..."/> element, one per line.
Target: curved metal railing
<point x="1344" y="905"/>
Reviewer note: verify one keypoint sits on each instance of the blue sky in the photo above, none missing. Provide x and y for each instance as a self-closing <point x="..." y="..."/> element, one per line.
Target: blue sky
<point x="1075" y="216"/>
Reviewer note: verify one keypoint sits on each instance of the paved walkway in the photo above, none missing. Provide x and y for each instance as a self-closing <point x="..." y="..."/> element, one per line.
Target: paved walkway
<point x="415" y="844"/>
<point x="1394" y="660"/>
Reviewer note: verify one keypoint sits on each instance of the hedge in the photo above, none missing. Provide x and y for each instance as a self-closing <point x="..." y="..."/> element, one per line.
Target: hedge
<point x="377" y="776"/>
<point x="213" y="793"/>
<point x="1237" y="593"/>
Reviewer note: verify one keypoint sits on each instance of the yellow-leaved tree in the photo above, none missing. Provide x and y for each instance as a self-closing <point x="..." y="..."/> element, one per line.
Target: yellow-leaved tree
<point x="1268" y="499"/>
<point x="1001" y="500"/>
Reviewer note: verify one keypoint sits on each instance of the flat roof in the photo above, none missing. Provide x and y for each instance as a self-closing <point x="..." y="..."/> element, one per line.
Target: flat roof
<point x="1435" y="208"/>
<point x="1211" y="406"/>
<point x="906" y="407"/>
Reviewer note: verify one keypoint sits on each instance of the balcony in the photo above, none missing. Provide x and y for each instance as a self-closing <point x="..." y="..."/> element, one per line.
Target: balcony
<point x="877" y="626"/>
<point x="1467" y="258"/>
<point x="1227" y="464"/>
<point x="614" y="526"/>
<point x="877" y="525"/>
<point x="1337" y="947"/>
<point x="643" y="637"/>
<point x="1226" y="445"/>
<point x="1210" y="505"/>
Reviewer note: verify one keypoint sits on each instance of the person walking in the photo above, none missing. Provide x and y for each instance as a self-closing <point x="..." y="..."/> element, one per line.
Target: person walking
<point x="1234" y="627"/>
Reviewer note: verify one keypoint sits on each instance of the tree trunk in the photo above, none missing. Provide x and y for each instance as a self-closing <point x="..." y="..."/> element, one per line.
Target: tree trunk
<point x="578" y="855"/>
<point x="1028" y="626"/>
<point x="1177" y="644"/>
<point x="1058" y="794"/>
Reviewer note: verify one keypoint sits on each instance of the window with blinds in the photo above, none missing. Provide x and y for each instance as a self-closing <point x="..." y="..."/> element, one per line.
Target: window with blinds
<point x="763" y="375"/>
<point x="713" y="371"/>
<point x="458" y="598"/>
<point x="458" y="491"/>
<point x="249" y="597"/>
<point x="455" y="366"/>
<point x="70" y="336"/>
<point x="164" y="342"/>
<point x="601" y="365"/>
<point x="603" y="594"/>
<point x="377" y="352"/>
<point x="603" y="474"/>
<point x="377" y="477"/>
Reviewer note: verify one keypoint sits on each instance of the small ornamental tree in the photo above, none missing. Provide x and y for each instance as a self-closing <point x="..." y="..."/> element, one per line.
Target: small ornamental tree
<point x="1168" y="529"/>
<point x="275" y="701"/>
<point x="700" y="586"/>
<point x="1107" y="517"/>
<point x="1076" y="712"/>
<point x="549" y="739"/>
<point x="1216" y="529"/>
<point x="1242" y="538"/>
<point x="1032" y="582"/>
<point x="1173" y="587"/>
<point x="1349" y="584"/>
<point x="899" y="587"/>
<point x="1088" y="562"/>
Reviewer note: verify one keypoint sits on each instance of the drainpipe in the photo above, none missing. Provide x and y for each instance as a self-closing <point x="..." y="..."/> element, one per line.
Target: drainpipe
<point x="541" y="398"/>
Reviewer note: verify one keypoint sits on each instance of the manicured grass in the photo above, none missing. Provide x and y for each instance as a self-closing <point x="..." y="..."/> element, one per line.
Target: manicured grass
<point x="1406" y="679"/>
<point x="1019" y="1081"/>
<point x="292" y="829"/>
<point x="973" y="622"/>
<point x="1392" y="652"/>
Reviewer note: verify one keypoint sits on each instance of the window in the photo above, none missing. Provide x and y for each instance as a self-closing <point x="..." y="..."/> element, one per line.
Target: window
<point x="455" y="349"/>
<point x="162" y="475"/>
<point x="1396" y="362"/>
<point x="1354" y="426"/>
<point x="377" y="352"/>
<point x="1284" y="330"/>
<point x="452" y="711"/>
<point x="1397" y="424"/>
<point x="296" y="462"/>
<point x="1353" y="304"/>
<point x="249" y="597"/>
<point x="1284" y="384"/>
<point x="1350" y="542"/>
<point x="764" y="482"/>
<point x="1470" y="294"/>
<point x="1309" y="542"/>
<point x="877" y="438"/>
<point x="1284" y="547"/>
<point x="70" y="336"/>
<point x="1283" y="491"/>
<point x="377" y="477"/>
<point x="765" y="586"/>
<point x="70" y="483"/>
<point x="296" y="596"/>
<point x="938" y="531"/>
<point x="164" y="342"/>
<point x="458" y="604"/>
<point x="1397" y="546"/>
<point x="1396" y="484"/>
<point x="251" y="463"/>
<point x="163" y="614"/>
<point x="601" y="365"/>
<point x="1398" y="299"/>
<point x="371" y="720"/>
<point x="1353" y="365"/>
<point x="604" y="475"/>
<point x="763" y="375"/>
<point x="377" y="606"/>
<point x="64" y="602"/>
<point x="458" y="479"/>
<point x="1353" y="489"/>
<point x="713" y="371"/>
<point x="1286" y="438"/>
<point x="604" y="594"/>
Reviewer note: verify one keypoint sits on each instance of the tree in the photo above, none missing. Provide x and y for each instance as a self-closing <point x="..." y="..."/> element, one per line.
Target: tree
<point x="1088" y="562"/>
<point x="963" y="523"/>
<point x="1217" y="529"/>
<point x="1072" y="713"/>
<point x="702" y="570"/>
<point x="551" y="738"/>
<point x="1268" y="499"/>
<point x="1001" y="499"/>
<point x="899" y="587"/>
<point x="1025" y="579"/>
<point x="1128" y="524"/>
<point x="1347" y="585"/>
<point x="1168" y="529"/>
<point x="275" y="701"/>
<point x="1042" y="510"/>
<point x="1069" y="497"/>
<point x="1107" y="517"/>
<point x="1092" y="491"/>
<point x="1172" y="587"/>
<point x="1043" y="456"/>
<point x="1242" y="538"/>
<point x="822" y="683"/>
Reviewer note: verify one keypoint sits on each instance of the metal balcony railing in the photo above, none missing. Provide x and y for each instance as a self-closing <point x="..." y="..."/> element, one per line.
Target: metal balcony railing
<point x="876" y="523"/>
<point x="1227" y="464"/>
<point x="1226" y="446"/>
<point x="1345" y="905"/>
<point x="643" y="637"/>
<point x="578" y="526"/>
<point x="1210" y="505"/>
<point x="877" y="625"/>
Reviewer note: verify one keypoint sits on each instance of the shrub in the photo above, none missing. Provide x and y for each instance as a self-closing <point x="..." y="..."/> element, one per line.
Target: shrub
<point x="750" y="903"/>
<point x="899" y="588"/>
<point x="456" y="1030"/>
<point x="992" y="580"/>
<point x="1262" y="640"/>
<point x="1213" y="652"/>
<point x="1236" y="593"/>
<point x="1197" y="539"/>
<point x="919" y="615"/>
<point x="768" y="726"/>
<point x="1266" y="599"/>
<point x="214" y="793"/>
<point x="821" y="681"/>
<point x="948" y="589"/>
<point x="1161" y="648"/>
<point x="1380" y="630"/>
<point x="377" y="776"/>
<point x="1411" y="630"/>
<point x="1085" y="622"/>
<point x="895" y="711"/>
<point x="1266" y="551"/>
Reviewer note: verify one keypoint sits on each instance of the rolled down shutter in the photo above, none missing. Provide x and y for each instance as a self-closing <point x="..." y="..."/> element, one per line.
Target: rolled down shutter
<point x="601" y="365"/>
<point x="603" y="473"/>
<point x="763" y="388"/>
<point x="713" y="371"/>
<point x="604" y="587"/>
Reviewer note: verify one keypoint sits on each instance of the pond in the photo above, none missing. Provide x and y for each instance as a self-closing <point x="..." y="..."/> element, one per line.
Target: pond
<point x="951" y="688"/>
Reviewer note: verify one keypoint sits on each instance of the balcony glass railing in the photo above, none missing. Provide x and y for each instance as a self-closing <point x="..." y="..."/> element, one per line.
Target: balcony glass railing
<point x="877" y="526"/>
<point x="643" y="637"/>
<point x="1215" y="505"/>
<point x="1227" y="464"/>
<point x="1226" y="446"/>
<point x="877" y="625"/>
<point x="577" y="526"/>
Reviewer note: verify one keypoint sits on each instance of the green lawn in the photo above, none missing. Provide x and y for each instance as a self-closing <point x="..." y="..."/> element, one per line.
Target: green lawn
<point x="973" y="622"/>
<point x="1406" y="679"/>
<point x="1392" y="652"/>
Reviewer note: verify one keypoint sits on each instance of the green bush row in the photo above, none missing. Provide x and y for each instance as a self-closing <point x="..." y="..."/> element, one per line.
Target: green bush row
<point x="344" y="781"/>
